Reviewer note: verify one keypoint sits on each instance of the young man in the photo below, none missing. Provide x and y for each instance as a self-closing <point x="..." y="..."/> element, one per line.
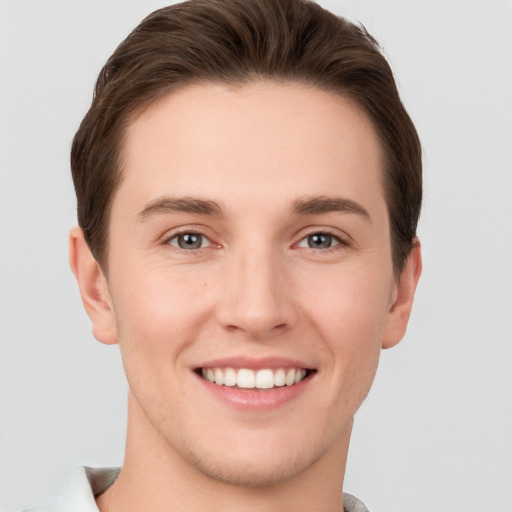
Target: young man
<point x="248" y="188"/>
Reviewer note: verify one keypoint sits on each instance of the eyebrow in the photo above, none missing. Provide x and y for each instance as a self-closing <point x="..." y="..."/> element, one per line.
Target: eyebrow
<point x="325" y="204"/>
<point x="304" y="206"/>
<point x="180" y="205"/>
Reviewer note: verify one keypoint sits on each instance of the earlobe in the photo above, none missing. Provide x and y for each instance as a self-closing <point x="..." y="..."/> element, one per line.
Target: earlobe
<point x="93" y="288"/>
<point x="400" y="310"/>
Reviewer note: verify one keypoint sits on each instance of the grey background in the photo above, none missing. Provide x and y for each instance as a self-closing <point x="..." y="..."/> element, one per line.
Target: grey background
<point x="436" y="432"/>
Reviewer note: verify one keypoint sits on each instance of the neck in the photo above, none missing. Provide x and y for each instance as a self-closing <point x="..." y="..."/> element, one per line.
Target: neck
<point x="155" y="476"/>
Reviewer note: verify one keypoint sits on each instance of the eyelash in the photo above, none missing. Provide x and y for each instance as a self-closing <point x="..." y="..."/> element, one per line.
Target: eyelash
<point x="340" y="241"/>
<point x="189" y="232"/>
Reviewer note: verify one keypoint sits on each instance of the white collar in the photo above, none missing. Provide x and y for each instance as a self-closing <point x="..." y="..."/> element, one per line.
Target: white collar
<point x="78" y="493"/>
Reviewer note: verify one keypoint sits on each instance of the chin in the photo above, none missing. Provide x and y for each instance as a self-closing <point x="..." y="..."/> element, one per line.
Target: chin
<point x="255" y="461"/>
<point x="244" y="471"/>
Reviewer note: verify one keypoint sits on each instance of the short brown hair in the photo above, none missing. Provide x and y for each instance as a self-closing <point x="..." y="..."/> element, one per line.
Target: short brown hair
<point x="238" y="41"/>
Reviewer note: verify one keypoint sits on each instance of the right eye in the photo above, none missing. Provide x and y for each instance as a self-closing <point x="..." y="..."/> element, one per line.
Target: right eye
<point x="189" y="241"/>
<point x="321" y="241"/>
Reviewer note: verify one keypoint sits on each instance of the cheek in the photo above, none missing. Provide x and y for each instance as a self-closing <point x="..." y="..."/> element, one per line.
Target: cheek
<point x="350" y="306"/>
<point x="159" y="317"/>
<point x="350" y="315"/>
<point x="159" y="309"/>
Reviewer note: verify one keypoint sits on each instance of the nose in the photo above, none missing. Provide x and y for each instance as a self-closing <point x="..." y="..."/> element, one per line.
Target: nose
<point x="256" y="296"/>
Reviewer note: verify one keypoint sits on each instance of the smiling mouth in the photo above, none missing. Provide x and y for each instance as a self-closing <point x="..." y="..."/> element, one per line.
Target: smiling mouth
<point x="263" y="379"/>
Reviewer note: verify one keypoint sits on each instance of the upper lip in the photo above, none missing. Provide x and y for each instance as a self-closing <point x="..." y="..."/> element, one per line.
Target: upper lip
<point x="253" y="363"/>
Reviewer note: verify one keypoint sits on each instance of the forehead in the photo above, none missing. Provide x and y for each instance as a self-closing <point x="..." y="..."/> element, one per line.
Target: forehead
<point x="252" y="140"/>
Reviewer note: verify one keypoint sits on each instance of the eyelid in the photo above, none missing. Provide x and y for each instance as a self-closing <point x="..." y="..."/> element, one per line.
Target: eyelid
<point x="204" y="238"/>
<point x="184" y="230"/>
<point x="340" y="237"/>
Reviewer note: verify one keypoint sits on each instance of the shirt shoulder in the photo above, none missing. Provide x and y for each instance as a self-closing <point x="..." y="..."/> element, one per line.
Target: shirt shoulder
<point x="78" y="493"/>
<point x="352" y="504"/>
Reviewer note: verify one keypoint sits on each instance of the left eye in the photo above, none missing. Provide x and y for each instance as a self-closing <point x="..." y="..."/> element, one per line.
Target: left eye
<point x="319" y="241"/>
<point x="189" y="241"/>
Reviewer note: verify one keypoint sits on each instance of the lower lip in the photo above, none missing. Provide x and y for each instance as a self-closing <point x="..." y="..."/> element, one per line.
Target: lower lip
<point x="249" y="399"/>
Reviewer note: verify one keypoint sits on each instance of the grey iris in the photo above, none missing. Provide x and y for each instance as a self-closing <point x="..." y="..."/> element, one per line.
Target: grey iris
<point x="319" y="241"/>
<point x="190" y="241"/>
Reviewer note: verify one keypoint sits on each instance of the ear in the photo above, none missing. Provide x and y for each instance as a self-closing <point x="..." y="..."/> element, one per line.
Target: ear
<point x="93" y="288"/>
<point x="403" y="296"/>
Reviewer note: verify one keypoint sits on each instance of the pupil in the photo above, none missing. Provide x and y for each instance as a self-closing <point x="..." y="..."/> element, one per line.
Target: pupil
<point x="190" y="241"/>
<point x="319" y="241"/>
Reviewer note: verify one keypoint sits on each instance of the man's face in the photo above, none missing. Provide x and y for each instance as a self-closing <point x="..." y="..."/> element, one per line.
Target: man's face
<point x="250" y="243"/>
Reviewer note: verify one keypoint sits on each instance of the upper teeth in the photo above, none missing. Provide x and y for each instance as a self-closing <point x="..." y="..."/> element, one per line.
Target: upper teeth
<point x="261" y="379"/>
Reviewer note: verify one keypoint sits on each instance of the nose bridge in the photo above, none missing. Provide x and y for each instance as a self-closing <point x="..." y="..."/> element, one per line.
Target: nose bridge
<point x="256" y="299"/>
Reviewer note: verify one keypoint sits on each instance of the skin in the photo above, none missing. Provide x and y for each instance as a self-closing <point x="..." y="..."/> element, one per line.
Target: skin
<point x="254" y="289"/>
